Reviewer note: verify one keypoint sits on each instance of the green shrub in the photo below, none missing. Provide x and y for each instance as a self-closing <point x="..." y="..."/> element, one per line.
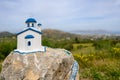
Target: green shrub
<point x="117" y="45"/>
<point x="103" y="44"/>
<point x="6" y="46"/>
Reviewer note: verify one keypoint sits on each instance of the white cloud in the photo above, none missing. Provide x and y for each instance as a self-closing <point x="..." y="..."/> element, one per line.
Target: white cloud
<point x="61" y="14"/>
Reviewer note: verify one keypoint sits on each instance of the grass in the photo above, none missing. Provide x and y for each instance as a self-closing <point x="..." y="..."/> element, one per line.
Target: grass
<point x="97" y="64"/>
<point x="97" y="61"/>
<point x="83" y="48"/>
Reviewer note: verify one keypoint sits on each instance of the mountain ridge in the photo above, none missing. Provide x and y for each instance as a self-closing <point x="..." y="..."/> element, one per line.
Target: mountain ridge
<point x="95" y="32"/>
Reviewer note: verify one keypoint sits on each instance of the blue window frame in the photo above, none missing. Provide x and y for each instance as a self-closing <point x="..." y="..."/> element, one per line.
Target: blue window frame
<point x="29" y="43"/>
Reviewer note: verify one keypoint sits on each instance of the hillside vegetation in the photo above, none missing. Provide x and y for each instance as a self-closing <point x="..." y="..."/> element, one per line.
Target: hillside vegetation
<point x="98" y="56"/>
<point x="6" y="34"/>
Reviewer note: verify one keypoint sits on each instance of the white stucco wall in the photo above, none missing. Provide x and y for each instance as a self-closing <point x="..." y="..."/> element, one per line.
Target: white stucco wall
<point x="38" y="27"/>
<point x="35" y="42"/>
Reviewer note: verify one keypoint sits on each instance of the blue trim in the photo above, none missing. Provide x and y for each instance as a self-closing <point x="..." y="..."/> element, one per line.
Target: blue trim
<point x="67" y="52"/>
<point x="29" y="36"/>
<point x="17" y="51"/>
<point x="30" y="20"/>
<point x="27" y="52"/>
<point x="74" y="70"/>
<point x="45" y="48"/>
<point x="29" y="29"/>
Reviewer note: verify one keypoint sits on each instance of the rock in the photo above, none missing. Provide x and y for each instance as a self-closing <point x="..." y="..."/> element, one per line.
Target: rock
<point x="54" y="64"/>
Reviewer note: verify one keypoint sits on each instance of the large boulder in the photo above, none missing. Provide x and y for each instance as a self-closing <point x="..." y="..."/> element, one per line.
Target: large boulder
<point x="54" y="64"/>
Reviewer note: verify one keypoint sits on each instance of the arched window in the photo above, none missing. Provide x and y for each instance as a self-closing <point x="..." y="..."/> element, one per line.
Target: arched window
<point x="29" y="43"/>
<point x="32" y="24"/>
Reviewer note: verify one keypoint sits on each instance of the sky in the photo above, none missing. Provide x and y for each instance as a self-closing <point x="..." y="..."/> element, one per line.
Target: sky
<point x="66" y="15"/>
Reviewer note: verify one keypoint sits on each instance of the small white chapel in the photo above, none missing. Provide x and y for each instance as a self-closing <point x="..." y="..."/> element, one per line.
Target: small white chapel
<point x="29" y="40"/>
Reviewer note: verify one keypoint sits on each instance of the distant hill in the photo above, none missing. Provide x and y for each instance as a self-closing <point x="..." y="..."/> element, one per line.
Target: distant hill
<point x="61" y="35"/>
<point x="6" y="34"/>
<point x="57" y="34"/>
<point x="96" y="32"/>
<point x="47" y="33"/>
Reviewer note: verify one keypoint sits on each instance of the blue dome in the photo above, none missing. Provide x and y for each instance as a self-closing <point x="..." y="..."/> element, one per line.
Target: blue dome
<point x="30" y="20"/>
<point x="39" y="24"/>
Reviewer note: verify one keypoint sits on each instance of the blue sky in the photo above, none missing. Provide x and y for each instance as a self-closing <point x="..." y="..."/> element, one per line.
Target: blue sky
<point x="67" y="15"/>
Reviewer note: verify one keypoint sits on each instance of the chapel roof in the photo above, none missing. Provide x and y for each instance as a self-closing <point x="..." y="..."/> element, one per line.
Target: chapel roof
<point x="30" y="28"/>
<point x="30" y="20"/>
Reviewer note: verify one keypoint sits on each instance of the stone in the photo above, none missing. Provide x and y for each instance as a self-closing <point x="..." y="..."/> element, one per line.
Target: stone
<point x="54" y="64"/>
